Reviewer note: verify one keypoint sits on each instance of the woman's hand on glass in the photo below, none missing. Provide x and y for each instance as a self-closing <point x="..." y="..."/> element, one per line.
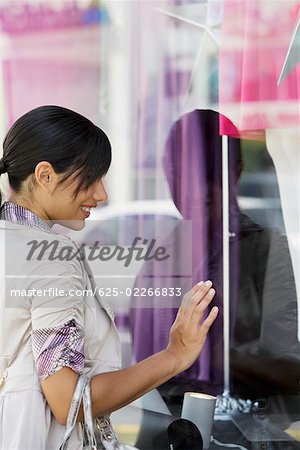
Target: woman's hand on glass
<point x="189" y="331"/>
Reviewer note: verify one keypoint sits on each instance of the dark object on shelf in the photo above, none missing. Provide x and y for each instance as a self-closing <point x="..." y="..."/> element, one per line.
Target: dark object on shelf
<point x="184" y="435"/>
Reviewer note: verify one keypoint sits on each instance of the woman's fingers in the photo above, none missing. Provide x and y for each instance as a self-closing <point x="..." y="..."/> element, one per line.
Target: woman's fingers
<point x="200" y="294"/>
<point x="187" y="299"/>
<point x="198" y="311"/>
<point x="195" y="293"/>
<point x="207" y="323"/>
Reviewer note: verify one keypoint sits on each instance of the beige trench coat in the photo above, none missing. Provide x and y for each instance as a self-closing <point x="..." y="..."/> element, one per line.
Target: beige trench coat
<point x="26" y="422"/>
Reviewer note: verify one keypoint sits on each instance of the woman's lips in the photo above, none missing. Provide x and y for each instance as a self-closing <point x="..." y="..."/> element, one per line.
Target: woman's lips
<point x="85" y="213"/>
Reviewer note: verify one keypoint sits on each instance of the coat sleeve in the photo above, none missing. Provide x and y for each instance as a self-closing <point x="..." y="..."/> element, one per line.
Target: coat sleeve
<point x="57" y="313"/>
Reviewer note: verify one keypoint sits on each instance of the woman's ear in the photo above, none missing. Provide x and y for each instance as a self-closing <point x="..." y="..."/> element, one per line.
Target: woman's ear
<point x="45" y="176"/>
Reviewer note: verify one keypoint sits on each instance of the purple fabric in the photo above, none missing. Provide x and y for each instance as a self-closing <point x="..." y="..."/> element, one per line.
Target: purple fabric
<point x="57" y="347"/>
<point x="18" y="214"/>
<point x="193" y="167"/>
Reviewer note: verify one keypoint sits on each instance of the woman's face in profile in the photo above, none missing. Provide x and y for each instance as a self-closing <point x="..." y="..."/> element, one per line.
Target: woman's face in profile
<point x="71" y="211"/>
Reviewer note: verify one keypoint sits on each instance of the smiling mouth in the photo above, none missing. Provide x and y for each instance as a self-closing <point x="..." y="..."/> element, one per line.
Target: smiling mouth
<point x="86" y="208"/>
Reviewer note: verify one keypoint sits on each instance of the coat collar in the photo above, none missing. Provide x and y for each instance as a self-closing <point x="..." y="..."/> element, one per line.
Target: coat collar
<point x="15" y="213"/>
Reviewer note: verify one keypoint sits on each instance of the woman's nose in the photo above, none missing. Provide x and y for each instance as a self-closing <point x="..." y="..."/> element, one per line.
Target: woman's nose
<point x="100" y="194"/>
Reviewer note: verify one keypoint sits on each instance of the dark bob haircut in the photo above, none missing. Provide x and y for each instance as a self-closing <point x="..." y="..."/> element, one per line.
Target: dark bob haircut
<point x="64" y="138"/>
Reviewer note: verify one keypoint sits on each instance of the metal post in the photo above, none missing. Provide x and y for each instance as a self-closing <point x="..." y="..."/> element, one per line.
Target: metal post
<point x="225" y="403"/>
<point x="226" y="262"/>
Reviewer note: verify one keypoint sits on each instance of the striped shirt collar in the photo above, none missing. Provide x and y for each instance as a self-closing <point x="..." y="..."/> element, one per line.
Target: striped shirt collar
<point x="18" y="214"/>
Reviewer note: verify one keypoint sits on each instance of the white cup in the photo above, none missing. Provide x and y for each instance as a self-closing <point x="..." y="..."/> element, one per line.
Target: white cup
<point x="200" y="409"/>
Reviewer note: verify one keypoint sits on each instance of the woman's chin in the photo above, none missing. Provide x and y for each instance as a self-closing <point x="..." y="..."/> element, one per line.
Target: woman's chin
<point x="76" y="225"/>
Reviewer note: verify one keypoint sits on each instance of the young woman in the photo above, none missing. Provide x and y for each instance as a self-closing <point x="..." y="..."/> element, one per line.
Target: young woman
<point x="56" y="160"/>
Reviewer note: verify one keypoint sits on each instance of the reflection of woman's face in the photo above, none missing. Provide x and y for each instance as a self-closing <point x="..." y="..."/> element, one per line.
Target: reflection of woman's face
<point x="70" y="211"/>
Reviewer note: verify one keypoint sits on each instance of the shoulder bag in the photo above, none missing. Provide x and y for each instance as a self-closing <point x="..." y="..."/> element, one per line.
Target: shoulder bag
<point x="98" y="433"/>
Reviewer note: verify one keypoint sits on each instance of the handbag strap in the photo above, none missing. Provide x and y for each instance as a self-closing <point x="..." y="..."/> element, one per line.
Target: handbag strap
<point x="88" y="416"/>
<point x="74" y="409"/>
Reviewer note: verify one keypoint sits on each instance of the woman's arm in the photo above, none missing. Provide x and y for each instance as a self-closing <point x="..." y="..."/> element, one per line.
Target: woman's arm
<point x="112" y="390"/>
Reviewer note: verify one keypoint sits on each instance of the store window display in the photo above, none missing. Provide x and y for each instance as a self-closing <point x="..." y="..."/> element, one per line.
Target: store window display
<point x="263" y="301"/>
<point x="256" y="36"/>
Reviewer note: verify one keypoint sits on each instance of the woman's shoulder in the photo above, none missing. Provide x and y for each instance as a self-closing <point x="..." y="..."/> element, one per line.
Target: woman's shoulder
<point x="40" y="250"/>
<point x="26" y="232"/>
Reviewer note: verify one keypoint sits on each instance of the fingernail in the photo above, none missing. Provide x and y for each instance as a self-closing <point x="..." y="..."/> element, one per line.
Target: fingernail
<point x="211" y="292"/>
<point x="208" y="283"/>
<point x="200" y="283"/>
